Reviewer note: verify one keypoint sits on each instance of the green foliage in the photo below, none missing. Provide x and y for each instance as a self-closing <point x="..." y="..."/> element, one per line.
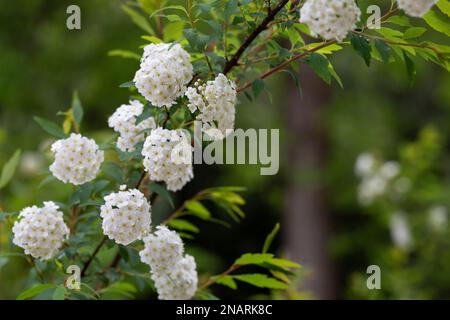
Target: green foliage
<point x="9" y="168"/>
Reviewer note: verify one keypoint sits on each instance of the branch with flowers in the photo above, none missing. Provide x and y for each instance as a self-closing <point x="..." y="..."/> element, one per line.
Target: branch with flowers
<point x="187" y="73"/>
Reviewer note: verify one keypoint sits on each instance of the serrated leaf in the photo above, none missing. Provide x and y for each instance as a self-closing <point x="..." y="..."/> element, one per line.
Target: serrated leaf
<point x="34" y="291"/>
<point x="197" y="209"/>
<point x="50" y="127"/>
<point x="9" y="169"/>
<point x="362" y="46"/>
<point x="261" y="281"/>
<point x="270" y="237"/>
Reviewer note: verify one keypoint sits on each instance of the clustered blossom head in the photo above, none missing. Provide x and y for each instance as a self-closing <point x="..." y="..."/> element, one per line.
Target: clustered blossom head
<point x="164" y="73"/>
<point x="168" y="157"/>
<point x="174" y="273"/>
<point x="416" y="8"/>
<point x="77" y="159"/>
<point x="330" y="19"/>
<point x="126" y="216"/>
<point x="124" y="120"/>
<point x="377" y="178"/>
<point x="40" y="231"/>
<point x="216" y="102"/>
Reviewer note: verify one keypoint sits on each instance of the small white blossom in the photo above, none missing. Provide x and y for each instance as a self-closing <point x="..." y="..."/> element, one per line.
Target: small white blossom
<point x="216" y="101"/>
<point x="365" y="163"/>
<point x="162" y="250"/>
<point x="416" y="8"/>
<point x="168" y="157"/>
<point x="400" y="231"/>
<point x="126" y="216"/>
<point x="77" y="159"/>
<point x="164" y="73"/>
<point x="124" y="120"/>
<point x="40" y="231"/>
<point x="330" y="19"/>
<point x="438" y="218"/>
<point x="180" y="283"/>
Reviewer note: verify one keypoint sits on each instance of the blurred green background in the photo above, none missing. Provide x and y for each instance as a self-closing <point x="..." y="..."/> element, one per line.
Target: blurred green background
<point x="322" y="132"/>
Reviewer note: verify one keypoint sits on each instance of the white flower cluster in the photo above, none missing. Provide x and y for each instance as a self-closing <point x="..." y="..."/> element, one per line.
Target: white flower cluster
<point x="40" y="231"/>
<point x="126" y="216"/>
<point x="216" y="102"/>
<point x="164" y="73"/>
<point x="175" y="275"/>
<point x="416" y="8"/>
<point x="168" y="157"/>
<point x="123" y="121"/>
<point x="77" y="159"/>
<point x="376" y="178"/>
<point x="330" y="19"/>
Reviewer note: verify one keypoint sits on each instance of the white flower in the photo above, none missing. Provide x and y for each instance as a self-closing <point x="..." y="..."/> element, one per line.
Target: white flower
<point x="365" y="163"/>
<point x="416" y="8"/>
<point x="180" y="283"/>
<point x="400" y="231"/>
<point x="390" y="170"/>
<point x="162" y="250"/>
<point x="330" y="19"/>
<point x="438" y="218"/>
<point x="126" y="216"/>
<point x="216" y="101"/>
<point x="40" y="231"/>
<point x="123" y="121"/>
<point x="164" y="73"/>
<point x="77" y="159"/>
<point x="168" y="157"/>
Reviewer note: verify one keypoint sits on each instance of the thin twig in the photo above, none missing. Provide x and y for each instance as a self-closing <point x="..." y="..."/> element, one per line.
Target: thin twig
<point x="91" y="258"/>
<point x="214" y="279"/>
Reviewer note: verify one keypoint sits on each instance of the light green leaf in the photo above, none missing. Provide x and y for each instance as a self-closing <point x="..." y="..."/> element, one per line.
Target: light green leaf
<point x="253" y="258"/>
<point x="437" y="22"/>
<point x="227" y="281"/>
<point x="270" y="237"/>
<point x="59" y="293"/>
<point x="34" y="291"/>
<point x="9" y="169"/>
<point x="77" y="109"/>
<point x="261" y="281"/>
<point x="197" y="209"/>
<point x="124" y="54"/>
<point x="444" y="6"/>
<point x="184" y="225"/>
<point x="138" y="19"/>
<point x="414" y="32"/>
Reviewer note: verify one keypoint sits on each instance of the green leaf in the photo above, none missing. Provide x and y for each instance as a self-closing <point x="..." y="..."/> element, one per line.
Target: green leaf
<point x="77" y="109"/>
<point x="51" y="128"/>
<point x="257" y="87"/>
<point x="319" y="64"/>
<point x="121" y="289"/>
<point x="59" y="293"/>
<point x="434" y="20"/>
<point x="253" y="258"/>
<point x="261" y="281"/>
<point x="140" y="20"/>
<point x="383" y="49"/>
<point x="124" y="54"/>
<point x="410" y="68"/>
<point x="414" y="32"/>
<point x="183" y="225"/>
<point x="34" y="291"/>
<point x="9" y="169"/>
<point x="197" y="209"/>
<point x="227" y="281"/>
<point x="128" y="84"/>
<point x="160" y="190"/>
<point x="362" y="46"/>
<point x="231" y="8"/>
<point x="444" y="6"/>
<point x="270" y="237"/>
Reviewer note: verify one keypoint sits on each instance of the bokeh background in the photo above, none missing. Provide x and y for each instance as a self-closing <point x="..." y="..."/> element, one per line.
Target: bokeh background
<point x="315" y="195"/>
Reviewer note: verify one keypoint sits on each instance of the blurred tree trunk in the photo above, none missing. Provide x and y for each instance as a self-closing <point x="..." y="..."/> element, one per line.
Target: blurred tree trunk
<point x="306" y="221"/>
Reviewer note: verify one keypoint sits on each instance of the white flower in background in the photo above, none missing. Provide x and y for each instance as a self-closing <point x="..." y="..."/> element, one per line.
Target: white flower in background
<point x="438" y="218"/>
<point x="164" y="73"/>
<point x="400" y="231"/>
<point x="330" y="19"/>
<point x="376" y="178"/>
<point x="40" y="231"/>
<point x="416" y="8"/>
<point x="365" y="163"/>
<point x="162" y="250"/>
<point x="77" y="159"/>
<point x="216" y="101"/>
<point x="31" y="162"/>
<point x="126" y="216"/>
<point x="124" y="120"/>
<point x="168" y="157"/>
<point x="180" y="283"/>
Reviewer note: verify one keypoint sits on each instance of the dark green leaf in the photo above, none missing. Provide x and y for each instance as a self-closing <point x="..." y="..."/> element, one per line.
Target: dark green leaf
<point x="383" y="49"/>
<point x="77" y="109"/>
<point x="362" y="46"/>
<point x="51" y="128"/>
<point x="261" y="281"/>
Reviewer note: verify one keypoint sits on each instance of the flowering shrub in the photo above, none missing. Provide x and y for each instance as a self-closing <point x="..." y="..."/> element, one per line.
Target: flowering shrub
<point x="194" y="71"/>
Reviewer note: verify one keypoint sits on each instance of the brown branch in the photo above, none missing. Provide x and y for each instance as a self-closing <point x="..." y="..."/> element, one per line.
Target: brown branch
<point x="91" y="258"/>
<point x="214" y="279"/>
<point x="235" y="58"/>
